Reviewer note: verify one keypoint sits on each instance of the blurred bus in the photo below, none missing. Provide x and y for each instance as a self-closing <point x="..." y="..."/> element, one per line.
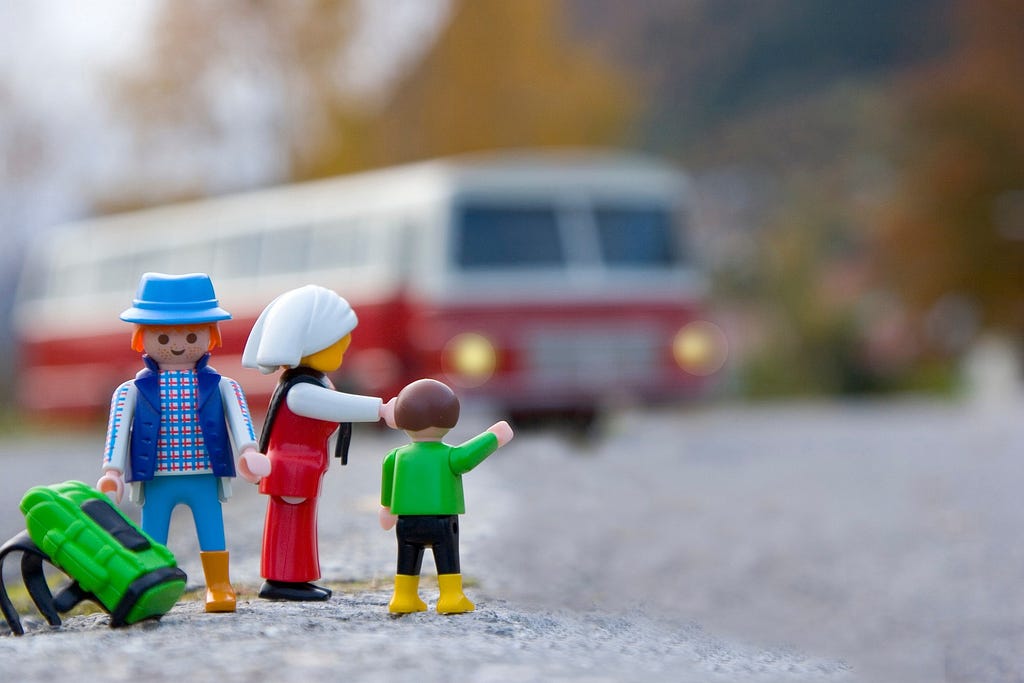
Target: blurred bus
<point x="543" y="282"/>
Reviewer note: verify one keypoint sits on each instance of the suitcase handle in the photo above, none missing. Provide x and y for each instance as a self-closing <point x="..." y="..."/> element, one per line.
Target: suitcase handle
<point x="35" y="582"/>
<point x="32" y="574"/>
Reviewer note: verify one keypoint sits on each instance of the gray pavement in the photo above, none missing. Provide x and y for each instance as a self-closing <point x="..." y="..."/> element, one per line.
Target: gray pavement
<point x="872" y="542"/>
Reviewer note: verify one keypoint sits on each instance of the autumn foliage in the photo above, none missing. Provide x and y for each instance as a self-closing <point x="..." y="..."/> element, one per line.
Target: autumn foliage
<point x="957" y="222"/>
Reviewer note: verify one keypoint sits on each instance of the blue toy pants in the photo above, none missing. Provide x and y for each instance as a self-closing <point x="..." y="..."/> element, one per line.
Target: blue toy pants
<point x="199" y="492"/>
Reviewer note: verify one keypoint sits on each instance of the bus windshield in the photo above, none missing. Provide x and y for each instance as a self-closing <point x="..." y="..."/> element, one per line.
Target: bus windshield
<point x="635" y="237"/>
<point x="494" y="236"/>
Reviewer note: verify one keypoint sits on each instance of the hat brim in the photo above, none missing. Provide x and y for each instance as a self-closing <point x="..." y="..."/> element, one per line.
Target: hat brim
<point x="143" y="316"/>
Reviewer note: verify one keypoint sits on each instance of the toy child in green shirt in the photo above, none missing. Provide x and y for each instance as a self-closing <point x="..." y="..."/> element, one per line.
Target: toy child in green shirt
<point x="421" y="490"/>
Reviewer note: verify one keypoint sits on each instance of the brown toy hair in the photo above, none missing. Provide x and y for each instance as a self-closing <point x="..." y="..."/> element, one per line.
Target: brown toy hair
<point x="426" y="403"/>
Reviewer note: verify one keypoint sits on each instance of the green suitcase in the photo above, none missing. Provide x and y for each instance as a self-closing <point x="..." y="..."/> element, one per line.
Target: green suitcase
<point x="109" y="559"/>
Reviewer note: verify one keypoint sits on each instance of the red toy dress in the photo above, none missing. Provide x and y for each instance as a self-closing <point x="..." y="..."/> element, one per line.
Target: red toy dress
<point x="298" y="454"/>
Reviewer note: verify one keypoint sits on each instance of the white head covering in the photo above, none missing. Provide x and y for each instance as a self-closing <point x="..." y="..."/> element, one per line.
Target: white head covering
<point x="296" y="324"/>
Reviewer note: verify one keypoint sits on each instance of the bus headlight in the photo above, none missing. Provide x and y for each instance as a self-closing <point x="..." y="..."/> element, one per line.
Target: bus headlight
<point x="700" y="348"/>
<point x="470" y="359"/>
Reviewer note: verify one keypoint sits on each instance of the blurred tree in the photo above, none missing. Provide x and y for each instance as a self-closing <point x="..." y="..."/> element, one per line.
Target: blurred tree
<point x="505" y="74"/>
<point x="502" y="74"/>
<point x="954" y="245"/>
<point x="812" y="288"/>
<point x="254" y="85"/>
<point x="709" y="63"/>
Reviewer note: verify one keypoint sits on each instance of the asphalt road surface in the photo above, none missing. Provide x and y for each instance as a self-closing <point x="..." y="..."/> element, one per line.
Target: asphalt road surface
<point x="866" y="542"/>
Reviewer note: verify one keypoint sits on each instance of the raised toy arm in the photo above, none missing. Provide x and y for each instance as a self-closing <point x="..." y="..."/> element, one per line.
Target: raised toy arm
<point x="321" y="403"/>
<point x="387" y="413"/>
<point x="503" y="431"/>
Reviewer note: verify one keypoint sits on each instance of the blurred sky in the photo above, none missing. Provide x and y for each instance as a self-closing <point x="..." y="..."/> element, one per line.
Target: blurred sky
<point x="62" y="143"/>
<point x="54" y="130"/>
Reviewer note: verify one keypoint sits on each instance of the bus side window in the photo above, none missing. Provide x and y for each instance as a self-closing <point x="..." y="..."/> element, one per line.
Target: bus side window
<point x="146" y="262"/>
<point x="237" y="256"/>
<point x="406" y="249"/>
<point x="189" y="258"/>
<point x="285" y="251"/>
<point x="114" y="274"/>
<point x="339" y="243"/>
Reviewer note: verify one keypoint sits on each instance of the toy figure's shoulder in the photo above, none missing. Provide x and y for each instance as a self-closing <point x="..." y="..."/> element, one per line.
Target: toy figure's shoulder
<point x="120" y="395"/>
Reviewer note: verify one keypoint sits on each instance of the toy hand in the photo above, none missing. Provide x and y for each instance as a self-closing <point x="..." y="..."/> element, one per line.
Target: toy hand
<point x="503" y="431"/>
<point x="253" y="465"/>
<point x="387" y="411"/>
<point x="387" y="520"/>
<point x="112" y="484"/>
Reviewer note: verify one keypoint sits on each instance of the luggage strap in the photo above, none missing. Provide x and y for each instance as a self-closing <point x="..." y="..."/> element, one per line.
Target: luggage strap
<point x="49" y="606"/>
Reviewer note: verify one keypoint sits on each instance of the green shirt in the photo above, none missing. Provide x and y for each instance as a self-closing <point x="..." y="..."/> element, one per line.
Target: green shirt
<point x="425" y="477"/>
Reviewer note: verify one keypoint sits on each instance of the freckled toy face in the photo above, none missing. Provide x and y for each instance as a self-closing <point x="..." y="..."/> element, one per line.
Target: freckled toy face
<point x="176" y="345"/>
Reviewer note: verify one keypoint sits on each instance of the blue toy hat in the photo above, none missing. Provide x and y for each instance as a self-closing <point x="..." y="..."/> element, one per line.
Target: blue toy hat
<point x="175" y="300"/>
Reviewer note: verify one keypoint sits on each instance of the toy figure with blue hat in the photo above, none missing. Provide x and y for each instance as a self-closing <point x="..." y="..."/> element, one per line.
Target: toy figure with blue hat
<point x="175" y="428"/>
<point x="175" y="300"/>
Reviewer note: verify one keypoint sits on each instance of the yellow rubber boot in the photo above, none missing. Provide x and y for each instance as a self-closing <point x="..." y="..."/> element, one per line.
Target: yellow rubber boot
<point x="406" y="598"/>
<point x="220" y="596"/>
<point x="452" y="600"/>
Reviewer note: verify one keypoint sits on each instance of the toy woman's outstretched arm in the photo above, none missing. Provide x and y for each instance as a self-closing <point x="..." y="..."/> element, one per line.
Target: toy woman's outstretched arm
<point x="321" y="403"/>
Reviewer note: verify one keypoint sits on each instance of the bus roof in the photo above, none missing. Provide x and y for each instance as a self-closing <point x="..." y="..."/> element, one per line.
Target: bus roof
<point x="552" y="169"/>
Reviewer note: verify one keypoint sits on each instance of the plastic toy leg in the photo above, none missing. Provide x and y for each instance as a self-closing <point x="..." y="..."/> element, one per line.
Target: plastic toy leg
<point x="290" y="554"/>
<point x="220" y="596"/>
<point x="452" y="600"/>
<point x="406" y="598"/>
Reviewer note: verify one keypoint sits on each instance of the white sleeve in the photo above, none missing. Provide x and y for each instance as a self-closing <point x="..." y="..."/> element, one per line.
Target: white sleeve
<point x="236" y="414"/>
<point x="122" y="410"/>
<point x="321" y="403"/>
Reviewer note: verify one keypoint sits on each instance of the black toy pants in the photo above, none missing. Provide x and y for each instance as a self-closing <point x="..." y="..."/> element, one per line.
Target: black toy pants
<point x="417" y="532"/>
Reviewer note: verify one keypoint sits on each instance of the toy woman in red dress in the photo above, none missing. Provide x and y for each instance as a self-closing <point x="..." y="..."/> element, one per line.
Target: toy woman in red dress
<point x="304" y="332"/>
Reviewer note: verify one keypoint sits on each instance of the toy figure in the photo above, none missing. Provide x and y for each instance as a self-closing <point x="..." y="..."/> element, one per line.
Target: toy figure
<point x="172" y="428"/>
<point x="421" y="490"/>
<point x="305" y="332"/>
